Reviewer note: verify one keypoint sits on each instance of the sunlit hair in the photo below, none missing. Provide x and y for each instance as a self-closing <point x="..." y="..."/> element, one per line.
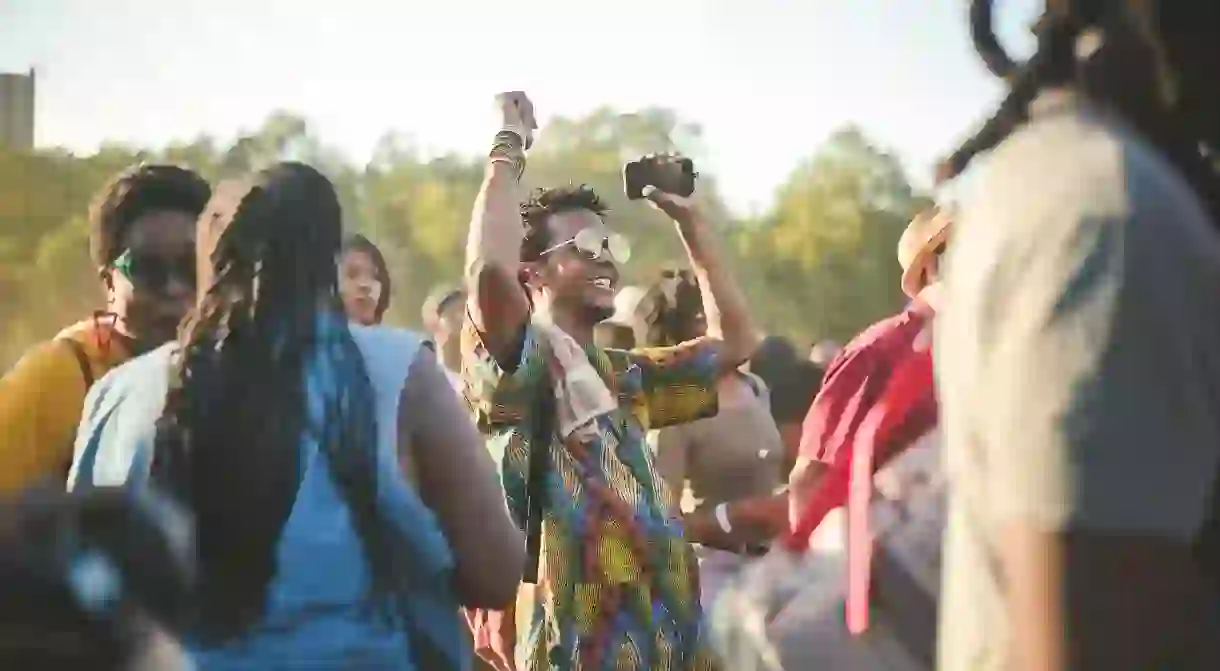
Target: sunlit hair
<point x="229" y="442"/>
<point x="1149" y="95"/>
<point x="676" y="306"/>
<point x="134" y="193"/>
<point x="361" y="244"/>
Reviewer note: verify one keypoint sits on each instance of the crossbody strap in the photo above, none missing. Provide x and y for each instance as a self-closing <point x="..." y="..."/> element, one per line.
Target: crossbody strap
<point x="82" y="360"/>
<point x="86" y="372"/>
<point x="542" y="427"/>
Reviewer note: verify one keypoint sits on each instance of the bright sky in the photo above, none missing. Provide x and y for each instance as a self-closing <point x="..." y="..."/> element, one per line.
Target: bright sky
<point x="767" y="79"/>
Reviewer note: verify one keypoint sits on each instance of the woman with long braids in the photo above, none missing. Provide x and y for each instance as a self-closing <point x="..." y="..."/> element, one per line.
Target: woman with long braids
<point x="288" y="432"/>
<point x="1078" y="357"/>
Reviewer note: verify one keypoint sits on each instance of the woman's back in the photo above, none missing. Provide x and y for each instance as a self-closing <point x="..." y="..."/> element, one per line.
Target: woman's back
<point x="733" y="455"/>
<point x="316" y="608"/>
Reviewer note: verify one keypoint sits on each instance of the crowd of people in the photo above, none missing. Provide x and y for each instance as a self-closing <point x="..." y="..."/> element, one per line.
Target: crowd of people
<point x="233" y="464"/>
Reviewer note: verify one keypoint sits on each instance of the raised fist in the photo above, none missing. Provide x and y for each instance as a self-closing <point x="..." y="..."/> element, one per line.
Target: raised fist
<point x="517" y="115"/>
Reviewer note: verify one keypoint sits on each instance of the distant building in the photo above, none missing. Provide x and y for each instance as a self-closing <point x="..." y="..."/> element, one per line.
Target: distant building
<point x="17" y="111"/>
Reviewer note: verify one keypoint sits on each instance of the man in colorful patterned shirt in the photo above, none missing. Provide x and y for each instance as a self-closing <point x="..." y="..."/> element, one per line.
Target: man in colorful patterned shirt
<point x="616" y="584"/>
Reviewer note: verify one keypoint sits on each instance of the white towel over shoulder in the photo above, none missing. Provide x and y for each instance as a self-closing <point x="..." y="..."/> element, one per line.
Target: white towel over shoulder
<point x="580" y="394"/>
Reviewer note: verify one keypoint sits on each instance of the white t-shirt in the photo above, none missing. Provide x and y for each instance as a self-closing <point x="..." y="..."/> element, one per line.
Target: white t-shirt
<point x="1077" y="353"/>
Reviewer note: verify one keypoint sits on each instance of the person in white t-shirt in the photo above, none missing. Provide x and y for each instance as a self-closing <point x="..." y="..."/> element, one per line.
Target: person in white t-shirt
<point x="1079" y="387"/>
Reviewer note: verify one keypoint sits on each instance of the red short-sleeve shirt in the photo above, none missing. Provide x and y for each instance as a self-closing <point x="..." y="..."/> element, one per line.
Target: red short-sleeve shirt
<point x="855" y="382"/>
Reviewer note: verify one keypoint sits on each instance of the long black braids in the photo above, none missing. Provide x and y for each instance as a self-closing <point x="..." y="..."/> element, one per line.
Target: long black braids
<point x="229" y="440"/>
<point x="1148" y="97"/>
<point x="1053" y="63"/>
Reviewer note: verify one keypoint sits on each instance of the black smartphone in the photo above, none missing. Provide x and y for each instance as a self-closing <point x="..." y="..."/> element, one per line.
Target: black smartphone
<point x="671" y="174"/>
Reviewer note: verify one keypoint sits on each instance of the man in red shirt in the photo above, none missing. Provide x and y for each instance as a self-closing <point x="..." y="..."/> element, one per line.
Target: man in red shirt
<point x="856" y="382"/>
<point x="858" y="376"/>
<point x="877" y="400"/>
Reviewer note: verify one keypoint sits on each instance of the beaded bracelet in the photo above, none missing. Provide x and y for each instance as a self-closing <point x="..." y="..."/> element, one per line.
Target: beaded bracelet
<point x="508" y="148"/>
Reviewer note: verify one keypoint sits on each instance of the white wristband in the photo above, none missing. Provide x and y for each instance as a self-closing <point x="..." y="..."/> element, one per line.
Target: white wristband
<point x="722" y="518"/>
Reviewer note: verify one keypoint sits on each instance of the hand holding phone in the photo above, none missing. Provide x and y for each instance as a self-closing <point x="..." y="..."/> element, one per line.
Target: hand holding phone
<point x="667" y="182"/>
<point x="669" y="173"/>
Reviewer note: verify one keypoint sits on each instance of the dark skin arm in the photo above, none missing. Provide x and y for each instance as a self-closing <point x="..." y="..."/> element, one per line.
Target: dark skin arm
<point x="754" y="520"/>
<point x="442" y="451"/>
<point x="497" y="302"/>
<point x="1094" y="602"/>
<point x="724" y="305"/>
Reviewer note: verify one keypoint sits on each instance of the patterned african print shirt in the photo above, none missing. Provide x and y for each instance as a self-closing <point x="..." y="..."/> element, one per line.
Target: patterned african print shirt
<point x="616" y="585"/>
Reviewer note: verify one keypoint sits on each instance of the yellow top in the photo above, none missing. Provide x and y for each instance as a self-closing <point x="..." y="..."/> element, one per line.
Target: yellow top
<point x="41" y="400"/>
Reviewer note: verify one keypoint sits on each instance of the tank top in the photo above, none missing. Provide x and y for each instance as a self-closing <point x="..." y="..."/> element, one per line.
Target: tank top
<point x="316" y="613"/>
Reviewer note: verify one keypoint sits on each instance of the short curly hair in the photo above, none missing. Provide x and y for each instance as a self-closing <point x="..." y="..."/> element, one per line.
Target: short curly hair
<point x="134" y="193"/>
<point x="545" y="203"/>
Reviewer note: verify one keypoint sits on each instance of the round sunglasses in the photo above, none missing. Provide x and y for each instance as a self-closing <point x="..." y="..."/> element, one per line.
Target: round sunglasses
<point x="593" y="243"/>
<point x="155" y="272"/>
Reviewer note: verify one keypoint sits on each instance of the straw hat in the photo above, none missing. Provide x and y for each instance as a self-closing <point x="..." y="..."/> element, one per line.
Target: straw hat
<point x="927" y="231"/>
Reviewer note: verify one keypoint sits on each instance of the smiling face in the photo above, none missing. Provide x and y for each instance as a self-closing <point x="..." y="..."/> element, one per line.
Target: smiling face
<point x="577" y="287"/>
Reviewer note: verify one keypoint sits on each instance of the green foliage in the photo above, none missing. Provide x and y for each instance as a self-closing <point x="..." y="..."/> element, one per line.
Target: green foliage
<point x="820" y="263"/>
<point x="828" y="245"/>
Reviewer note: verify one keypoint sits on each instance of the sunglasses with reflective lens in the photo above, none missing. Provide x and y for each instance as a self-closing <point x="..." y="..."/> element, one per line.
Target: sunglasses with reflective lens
<point x="154" y="272"/>
<point x="592" y="243"/>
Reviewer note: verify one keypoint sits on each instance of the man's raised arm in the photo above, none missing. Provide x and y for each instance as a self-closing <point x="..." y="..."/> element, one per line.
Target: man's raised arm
<point x="724" y="305"/>
<point x="497" y="303"/>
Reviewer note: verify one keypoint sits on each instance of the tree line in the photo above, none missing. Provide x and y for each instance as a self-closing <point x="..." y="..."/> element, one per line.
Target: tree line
<point x="819" y="263"/>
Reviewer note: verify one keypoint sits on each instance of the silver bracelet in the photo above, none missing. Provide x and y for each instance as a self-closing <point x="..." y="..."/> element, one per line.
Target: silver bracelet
<point x="721" y="511"/>
<point x="508" y="148"/>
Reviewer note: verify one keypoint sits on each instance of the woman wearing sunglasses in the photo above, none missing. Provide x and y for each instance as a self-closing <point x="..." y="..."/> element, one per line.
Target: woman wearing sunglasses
<point x="142" y="241"/>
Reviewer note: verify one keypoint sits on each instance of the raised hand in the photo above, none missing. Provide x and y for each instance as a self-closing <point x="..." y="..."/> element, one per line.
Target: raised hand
<point x="517" y="115"/>
<point x="682" y="210"/>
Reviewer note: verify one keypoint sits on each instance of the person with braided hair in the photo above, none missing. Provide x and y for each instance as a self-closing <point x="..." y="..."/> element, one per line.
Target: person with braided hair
<point x="1080" y="376"/>
<point x="615" y="577"/>
<point x="319" y="460"/>
<point x="141" y="238"/>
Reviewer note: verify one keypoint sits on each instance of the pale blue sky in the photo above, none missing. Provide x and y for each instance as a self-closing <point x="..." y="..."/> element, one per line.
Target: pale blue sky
<point x="767" y="79"/>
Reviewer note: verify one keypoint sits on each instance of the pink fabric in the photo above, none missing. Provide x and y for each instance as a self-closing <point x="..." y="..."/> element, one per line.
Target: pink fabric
<point x="905" y="410"/>
<point x="856" y="381"/>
